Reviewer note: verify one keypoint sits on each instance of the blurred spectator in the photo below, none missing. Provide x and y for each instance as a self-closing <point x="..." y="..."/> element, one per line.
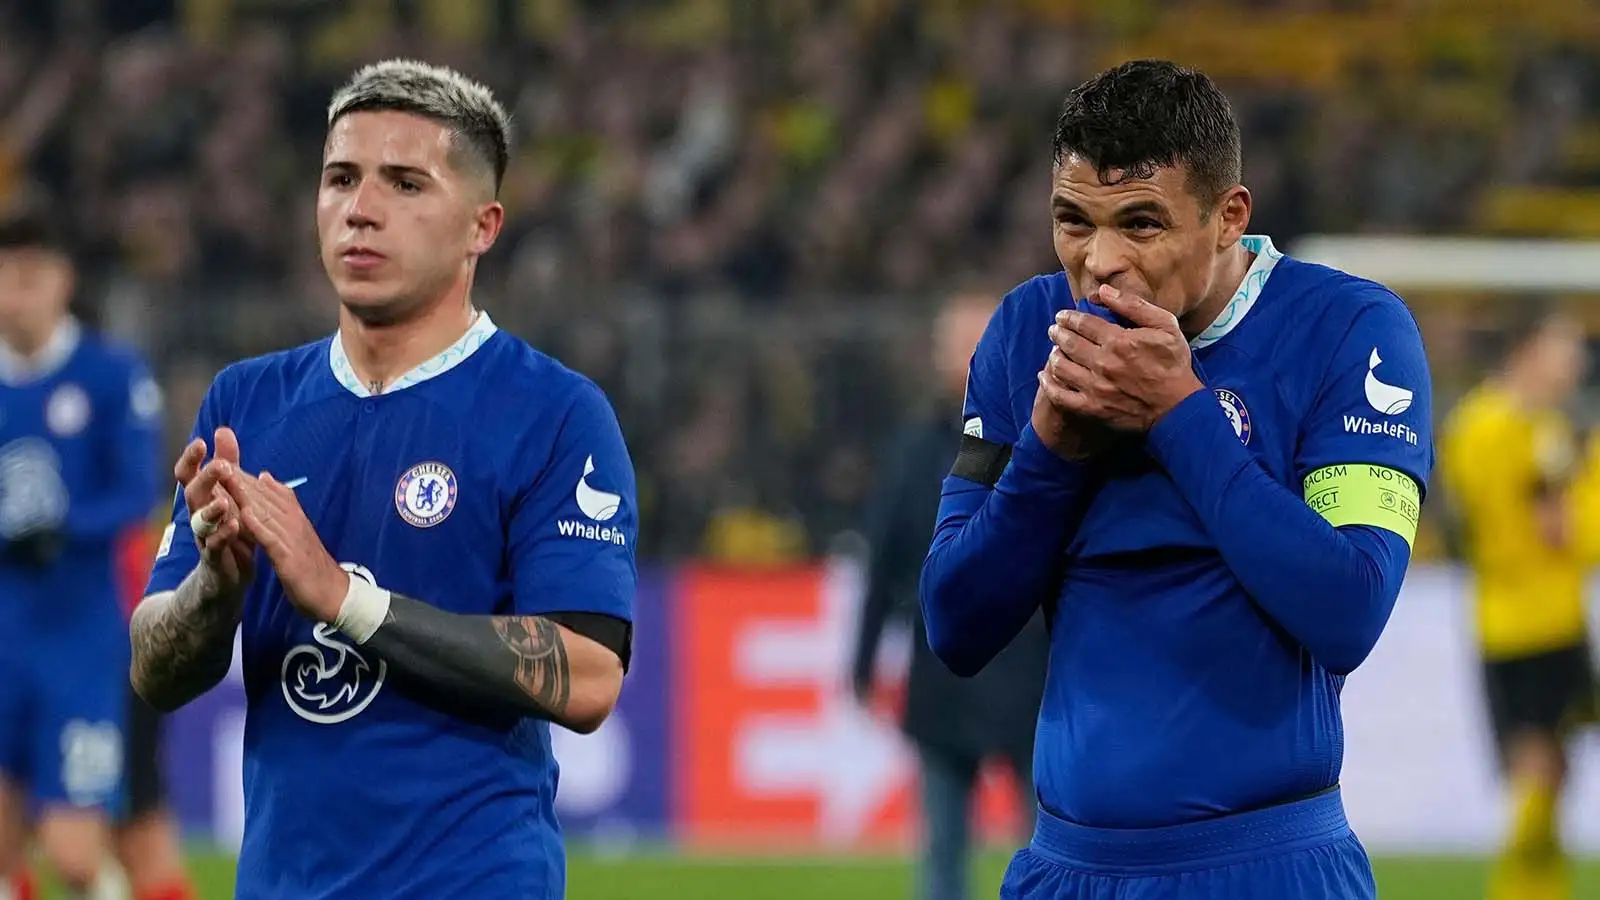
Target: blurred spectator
<point x="954" y="723"/>
<point x="809" y="172"/>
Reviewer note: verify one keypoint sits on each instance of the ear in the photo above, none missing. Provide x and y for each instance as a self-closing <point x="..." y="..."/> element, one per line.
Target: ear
<point x="66" y="278"/>
<point x="1233" y="216"/>
<point x="486" y="227"/>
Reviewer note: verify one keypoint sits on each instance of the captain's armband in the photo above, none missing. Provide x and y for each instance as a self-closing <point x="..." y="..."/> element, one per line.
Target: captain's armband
<point x="1365" y="494"/>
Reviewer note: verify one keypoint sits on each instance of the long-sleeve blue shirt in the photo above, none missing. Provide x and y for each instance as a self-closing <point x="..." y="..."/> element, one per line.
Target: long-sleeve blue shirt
<point x="1209" y="585"/>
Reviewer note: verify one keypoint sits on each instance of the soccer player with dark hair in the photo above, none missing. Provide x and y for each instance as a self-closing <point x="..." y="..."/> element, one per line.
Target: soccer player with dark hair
<point x="1204" y="460"/>
<point x="79" y="418"/>
<point x="424" y="528"/>
<point x="1525" y="493"/>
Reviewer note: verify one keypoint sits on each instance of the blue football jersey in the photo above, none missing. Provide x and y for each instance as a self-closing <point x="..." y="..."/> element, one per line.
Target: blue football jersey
<point x="489" y="481"/>
<point x="79" y="429"/>
<point x="1171" y="696"/>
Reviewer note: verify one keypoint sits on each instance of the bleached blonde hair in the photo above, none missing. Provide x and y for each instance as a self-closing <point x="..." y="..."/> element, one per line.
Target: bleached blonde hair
<point x="481" y="126"/>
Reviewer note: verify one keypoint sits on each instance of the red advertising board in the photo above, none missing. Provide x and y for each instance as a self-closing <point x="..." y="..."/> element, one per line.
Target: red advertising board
<point x="771" y="750"/>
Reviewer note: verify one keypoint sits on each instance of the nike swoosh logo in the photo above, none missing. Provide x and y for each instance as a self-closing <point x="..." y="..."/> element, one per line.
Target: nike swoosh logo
<point x="291" y="485"/>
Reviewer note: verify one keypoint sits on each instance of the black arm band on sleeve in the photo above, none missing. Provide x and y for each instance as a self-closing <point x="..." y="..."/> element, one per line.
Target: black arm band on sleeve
<point x="981" y="461"/>
<point x="610" y="632"/>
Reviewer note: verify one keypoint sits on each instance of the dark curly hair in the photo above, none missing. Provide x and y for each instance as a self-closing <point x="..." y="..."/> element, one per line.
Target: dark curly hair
<point x="1149" y="114"/>
<point x="29" y="220"/>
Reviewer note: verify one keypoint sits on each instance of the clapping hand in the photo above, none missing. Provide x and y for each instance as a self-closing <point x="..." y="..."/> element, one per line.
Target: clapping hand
<point x="218" y="530"/>
<point x="313" y="581"/>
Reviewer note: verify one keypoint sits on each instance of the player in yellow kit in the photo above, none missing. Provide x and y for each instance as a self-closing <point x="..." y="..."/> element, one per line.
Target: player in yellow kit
<point x="1526" y="492"/>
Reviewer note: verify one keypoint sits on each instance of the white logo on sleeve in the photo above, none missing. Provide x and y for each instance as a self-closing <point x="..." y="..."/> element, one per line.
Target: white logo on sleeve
<point x="1389" y="399"/>
<point x="144" y="398"/>
<point x="598" y="506"/>
<point x="974" y="427"/>
<point x="165" y="546"/>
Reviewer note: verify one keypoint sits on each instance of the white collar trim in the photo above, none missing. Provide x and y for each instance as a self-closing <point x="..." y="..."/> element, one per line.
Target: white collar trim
<point x="478" y="333"/>
<point x="1249" y="291"/>
<point x="63" y="342"/>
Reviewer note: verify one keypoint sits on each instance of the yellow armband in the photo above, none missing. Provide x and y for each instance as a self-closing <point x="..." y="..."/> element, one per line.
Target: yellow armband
<point x="1363" y="494"/>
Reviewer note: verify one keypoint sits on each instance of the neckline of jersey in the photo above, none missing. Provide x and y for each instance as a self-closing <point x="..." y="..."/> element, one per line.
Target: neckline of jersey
<point x="476" y="336"/>
<point x="63" y="342"/>
<point x="1250" y="288"/>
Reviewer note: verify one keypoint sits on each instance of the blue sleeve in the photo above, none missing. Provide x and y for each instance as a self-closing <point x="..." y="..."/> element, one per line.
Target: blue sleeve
<point x="1331" y="587"/>
<point x="132" y="410"/>
<point x="997" y="553"/>
<point x="574" y="528"/>
<point x="177" y="554"/>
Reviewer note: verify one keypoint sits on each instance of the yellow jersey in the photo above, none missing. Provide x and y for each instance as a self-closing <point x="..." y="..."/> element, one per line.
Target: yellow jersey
<point x="1494" y="456"/>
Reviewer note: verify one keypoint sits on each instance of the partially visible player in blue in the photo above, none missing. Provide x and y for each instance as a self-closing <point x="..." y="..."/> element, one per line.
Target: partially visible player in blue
<point x="79" y="419"/>
<point x="1204" y="459"/>
<point x="425" y="528"/>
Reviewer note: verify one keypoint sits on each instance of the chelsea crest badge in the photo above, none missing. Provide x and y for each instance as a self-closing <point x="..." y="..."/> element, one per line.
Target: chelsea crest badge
<point x="426" y="494"/>
<point x="1234" y="409"/>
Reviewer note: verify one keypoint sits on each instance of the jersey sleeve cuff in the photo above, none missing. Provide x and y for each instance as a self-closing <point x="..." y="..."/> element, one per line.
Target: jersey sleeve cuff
<point x="1171" y="429"/>
<point x="1035" y="467"/>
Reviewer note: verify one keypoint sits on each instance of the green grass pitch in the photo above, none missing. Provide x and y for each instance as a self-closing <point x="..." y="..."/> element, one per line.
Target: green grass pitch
<point x="629" y="877"/>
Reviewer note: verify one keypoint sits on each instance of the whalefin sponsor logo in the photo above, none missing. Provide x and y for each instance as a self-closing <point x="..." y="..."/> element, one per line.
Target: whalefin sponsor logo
<point x="598" y="507"/>
<point x="1388" y="399"/>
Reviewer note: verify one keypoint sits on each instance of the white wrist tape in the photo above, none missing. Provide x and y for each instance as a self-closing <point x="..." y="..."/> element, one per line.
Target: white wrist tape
<point x="201" y="526"/>
<point x="364" y="608"/>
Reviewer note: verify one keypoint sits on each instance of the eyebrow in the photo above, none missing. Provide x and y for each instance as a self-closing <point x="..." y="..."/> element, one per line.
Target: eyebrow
<point x="390" y="170"/>
<point x="1152" y="208"/>
<point x="1144" y="208"/>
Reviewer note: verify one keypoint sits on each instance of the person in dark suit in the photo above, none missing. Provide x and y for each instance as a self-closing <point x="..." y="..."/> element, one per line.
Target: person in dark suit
<point x="954" y="723"/>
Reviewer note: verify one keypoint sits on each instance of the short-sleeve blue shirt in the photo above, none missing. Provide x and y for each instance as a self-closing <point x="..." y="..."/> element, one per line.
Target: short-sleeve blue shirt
<point x="489" y="481"/>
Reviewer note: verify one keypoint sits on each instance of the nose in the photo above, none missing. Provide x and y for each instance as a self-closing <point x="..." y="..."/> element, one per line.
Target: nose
<point x="1105" y="257"/>
<point x="363" y="211"/>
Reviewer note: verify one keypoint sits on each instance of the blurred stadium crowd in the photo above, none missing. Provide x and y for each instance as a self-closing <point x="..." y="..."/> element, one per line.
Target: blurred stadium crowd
<point x="736" y="216"/>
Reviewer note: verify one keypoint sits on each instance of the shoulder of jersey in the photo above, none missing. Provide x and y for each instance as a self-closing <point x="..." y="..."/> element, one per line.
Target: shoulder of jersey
<point x="1030" y="307"/>
<point x="110" y="353"/>
<point x="1039" y="296"/>
<point x="1339" y="294"/>
<point x="1483" y="409"/>
<point x="522" y="365"/>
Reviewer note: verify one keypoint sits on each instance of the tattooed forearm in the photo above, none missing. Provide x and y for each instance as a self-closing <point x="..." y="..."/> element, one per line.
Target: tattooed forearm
<point x="542" y="668"/>
<point x="183" y="640"/>
<point x="522" y="665"/>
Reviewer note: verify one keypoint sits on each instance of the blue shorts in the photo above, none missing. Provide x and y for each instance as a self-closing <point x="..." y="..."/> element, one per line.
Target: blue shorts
<point x="1298" y="851"/>
<point x="61" y="729"/>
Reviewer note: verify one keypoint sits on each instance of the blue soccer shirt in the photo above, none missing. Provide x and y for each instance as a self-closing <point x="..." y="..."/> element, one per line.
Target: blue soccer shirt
<point x="79" y="427"/>
<point x="1209" y="585"/>
<point x="78" y="433"/>
<point x="489" y="481"/>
